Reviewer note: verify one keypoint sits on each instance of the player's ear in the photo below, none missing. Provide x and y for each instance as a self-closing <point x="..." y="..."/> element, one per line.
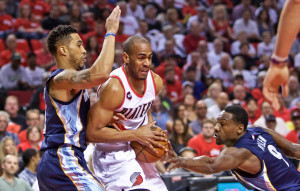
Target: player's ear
<point x="240" y="128"/>
<point x="125" y="58"/>
<point x="62" y="50"/>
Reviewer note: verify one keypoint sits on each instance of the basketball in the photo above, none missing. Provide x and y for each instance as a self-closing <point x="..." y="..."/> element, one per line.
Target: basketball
<point x="144" y="154"/>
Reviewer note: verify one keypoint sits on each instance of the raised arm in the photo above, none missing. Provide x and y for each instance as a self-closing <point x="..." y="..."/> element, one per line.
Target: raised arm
<point x="288" y="148"/>
<point x="100" y="70"/>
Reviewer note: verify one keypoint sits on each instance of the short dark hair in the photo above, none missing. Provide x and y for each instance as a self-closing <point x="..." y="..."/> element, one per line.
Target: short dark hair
<point x="60" y="34"/>
<point x="27" y="156"/>
<point x="129" y="43"/>
<point x="239" y="115"/>
<point x="31" y="54"/>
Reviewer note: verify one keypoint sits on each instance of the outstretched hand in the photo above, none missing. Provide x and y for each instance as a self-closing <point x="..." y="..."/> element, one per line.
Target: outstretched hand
<point x="148" y="137"/>
<point x="275" y="77"/>
<point x="112" y="22"/>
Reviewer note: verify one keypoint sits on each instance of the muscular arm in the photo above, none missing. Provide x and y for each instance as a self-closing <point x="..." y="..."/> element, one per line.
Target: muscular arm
<point x="99" y="72"/>
<point x="288" y="148"/>
<point x="229" y="158"/>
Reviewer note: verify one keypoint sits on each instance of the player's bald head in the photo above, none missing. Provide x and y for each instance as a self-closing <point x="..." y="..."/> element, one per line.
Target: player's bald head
<point x="129" y="44"/>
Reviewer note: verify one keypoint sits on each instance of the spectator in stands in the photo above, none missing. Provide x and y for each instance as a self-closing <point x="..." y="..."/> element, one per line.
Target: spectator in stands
<point x="6" y="21"/>
<point x="187" y="152"/>
<point x="169" y="61"/>
<point x="135" y="10"/>
<point x="202" y="49"/>
<point x="283" y="112"/>
<point x="201" y="111"/>
<point x="165" y="100"/>
<point x="204" y="142"/>
<point x="26" y="27"/>
<point x="5" y="55"/>
<point x="239" y="67"/>
<point x="212" y="94"/>
<point x="11" y="106"/>
<point x="53" y="19"/>
<point x="235" y="46"/>
<point x="198" y="86"/>
<point x="33" y="72"/>
<point x="221" y="24"/>
<point x="214" y="56"/>
<point x="8" y="181"/>
<point x="173" y="86"/>
<point x="12" y="8"/>
<point x="264" y="23"/>
<point x="240" y="94"/>
<point x="80" y="26"/>
<point x="189" y="103"/>
<point x="34" y="137"/>
<point x="192" y="38"/>
<point x="266" y="4"/>
<point x="31" y="159"/>
<point x="33" y="118"/>
<point x="98" y="32"/>
<point x="171" y="18"/>
<point x="294" y="91"/>
<point x="271" y="122"/>
<point x="189" y="9"/>
<point x="121" y="37"/>
<point x="179" y="112"/>
<point x="150" y="16"/>
<point x="7" y="147"/>
<point x="44" y="58"/>
<point x="249" y="58"/>
<point x="180" y="135"/>
<point x="160" y="115"/>
<point x="267" y="109"/>
<point x="130" y="23"/>
<point x="118" y="59"/>
<point x="253" y="111"/>
<point x="203" y="18"/>
<point x="238" y="10"/>
<point x="4" y="119"/>
<point x="38" y="8"/>
<point x="293" y="135"/>
<point x="92" y="51"/>
<point x="246" y="24"/>
<point x="223" y="71"/>
<point x="266" y="47"/>
<point x="222" y="102"/>
<point x="143" y="31"/>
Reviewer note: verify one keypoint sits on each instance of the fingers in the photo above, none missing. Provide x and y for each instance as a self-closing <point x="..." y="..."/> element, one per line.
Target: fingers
<point x="150" y="146"/>
<point x="157" y="145"/>
<point x="116" y="126"/>
<point x="121" y="116"/>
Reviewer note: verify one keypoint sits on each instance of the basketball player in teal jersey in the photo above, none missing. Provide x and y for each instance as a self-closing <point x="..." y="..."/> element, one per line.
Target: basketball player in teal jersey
<point x="62" y="166"/>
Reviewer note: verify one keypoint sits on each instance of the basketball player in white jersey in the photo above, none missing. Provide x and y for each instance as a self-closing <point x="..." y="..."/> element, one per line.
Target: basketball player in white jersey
<point x="130" y="91"/>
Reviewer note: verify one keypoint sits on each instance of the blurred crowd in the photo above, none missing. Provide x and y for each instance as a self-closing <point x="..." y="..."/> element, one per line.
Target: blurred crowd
<point x="210" y="54"/>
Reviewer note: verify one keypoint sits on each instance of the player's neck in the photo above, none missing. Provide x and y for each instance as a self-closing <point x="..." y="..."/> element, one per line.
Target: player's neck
<point x="63" y="63"/>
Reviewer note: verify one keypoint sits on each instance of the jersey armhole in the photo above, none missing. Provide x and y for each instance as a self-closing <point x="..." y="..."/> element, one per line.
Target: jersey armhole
<point x="153" y="82"/>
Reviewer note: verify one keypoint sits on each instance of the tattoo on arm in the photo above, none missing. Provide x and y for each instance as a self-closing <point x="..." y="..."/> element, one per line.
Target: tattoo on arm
<point x="75" y="77"/>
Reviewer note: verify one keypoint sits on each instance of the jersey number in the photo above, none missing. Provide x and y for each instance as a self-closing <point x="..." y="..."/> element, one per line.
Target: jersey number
<point x="276" y="154"/>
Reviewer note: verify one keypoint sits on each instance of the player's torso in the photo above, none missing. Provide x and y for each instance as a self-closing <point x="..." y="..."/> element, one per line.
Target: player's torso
<point x="277" y="172"/>
<point x="135" y="106"/>
<point x="65" y="121"/>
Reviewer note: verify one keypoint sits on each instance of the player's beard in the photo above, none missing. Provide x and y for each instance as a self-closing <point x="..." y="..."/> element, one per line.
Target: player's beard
<point x="76" y="63"/>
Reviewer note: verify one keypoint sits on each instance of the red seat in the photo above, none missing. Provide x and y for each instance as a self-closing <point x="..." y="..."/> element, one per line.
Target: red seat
<point x="24" y="96"/>
<point x="22" y="44"/>
<point x="36" y="44"/>
<point x="2" y="46"/>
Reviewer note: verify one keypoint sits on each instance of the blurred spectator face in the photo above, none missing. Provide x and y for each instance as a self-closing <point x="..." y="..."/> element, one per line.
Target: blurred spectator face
<point x="123" y="8"/>
<point x="195" y="57"/>
<point x="195" y="28"/>
<point x="281" y="100"/>
<point x="266" y="109"/>
<point x="265" y="60"/>
<point x="76" y="25"/>
<point x="224" y="62"/>
<point x="202" y="47"/>
<point x="170" y="76"/>
<point x="252" y="106"/>
<point x="296" y="119"/>
<point x="293" y="83"/>
<point x="242" y="36"/>
<point x="178" y="127"/>
<point x="75" y="11"/>
<point x="267" y="3"/>
<point x="143" y="27"/>
<point x="246" y="2"/>
<point x="271" y="124"/>
<point x="168" y="32"/>
<point x="263" y="15"/>
<point x="31" y="60"/>
<point x="181" y="112"/>
<point x="208" y="130"/>
<point x="99" y="28"/>
<point x="119" y="57"/>
<point x="11" y="105"/>
<point x="10" y="165"/>
<point x="34" y="135"/>
<point x="239" y="92"/>
<point x="244" y="49"/>
<point x="218" y="46"/>
<point x="201" y="109"/>
<point x="246" y="15"/>
<point x="156" y="104"/>
<point x="215" y="91"/>
<point x="25" y="11"/>
<point x="92" y="43"/>
<point x="33" y="119"/>
<point x="190" y="75"/>
<point x="239" y="63"/>
<point x="133" y="4"/>
<point x="266" y="37"/>
<point x="222" y="100"/>
<point x="150" y="11"/>
<point x="54" y="11"/>
<point x="3" y="123"/>
<point x="2" y="6"/>
<point x="11" y="41"/>
<point x="188" y="90"/>
<point x="9" y="147"/>
<point x="189" y="100"/>
<point x="219" y="12"/>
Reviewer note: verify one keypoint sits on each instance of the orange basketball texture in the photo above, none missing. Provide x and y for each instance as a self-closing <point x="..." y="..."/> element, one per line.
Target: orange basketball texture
<point x="144" y="154"/>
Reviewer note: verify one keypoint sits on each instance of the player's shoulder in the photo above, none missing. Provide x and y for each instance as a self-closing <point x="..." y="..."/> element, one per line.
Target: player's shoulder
<point x="112" y="86"/>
